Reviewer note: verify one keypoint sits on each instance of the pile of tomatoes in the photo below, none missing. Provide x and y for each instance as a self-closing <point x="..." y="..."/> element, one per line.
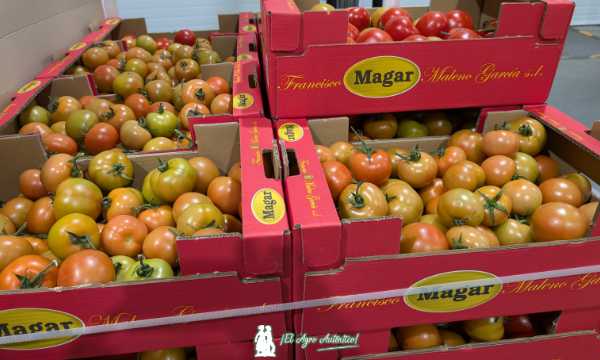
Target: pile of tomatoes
<point x="165" y="354"/>
<point x="157" y="89"/>
<point x="410" y="125"/>
<point x="477" y="191"/>
<point x="477" y="330"/>
<point x="396" y="24"/>
<point x="66" y="229"/>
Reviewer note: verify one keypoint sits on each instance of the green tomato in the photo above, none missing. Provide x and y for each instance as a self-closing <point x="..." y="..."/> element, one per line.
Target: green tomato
<point x="161" y="123"/>
<point x="147" y="191"/>
<point x="34" y="113"/>
<point x="408" y="128"/>
<point x="513" y="232"/>
<point x="146" y="269"/>
<point x="122" y="264"/>
<point x="146" y="42"/>
<point x="208" y="57"/>
<point x="526" y="166"/>
<point x="79" y="123"/>
<point x="111" y="169"/>
<point x="174" y="178"/>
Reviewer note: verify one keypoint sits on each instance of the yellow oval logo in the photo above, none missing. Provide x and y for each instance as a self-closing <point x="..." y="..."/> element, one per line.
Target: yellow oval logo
<point x="382" y="76"/>
<point x="268" y="206"/>
<point x="290" y="132"/>
<point x="77" y="46"/>
<point x="34" y="84"/>
<point x="243" y="101"/>
<point x="31" y="320"/>
<point x="455" y="299"/>
<point x="249" y="28"/>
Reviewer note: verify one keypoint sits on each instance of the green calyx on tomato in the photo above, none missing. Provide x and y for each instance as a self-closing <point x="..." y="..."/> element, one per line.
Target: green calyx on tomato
<point x="148" y="269"/>
<point x="181" y="137"/>
<point x="122" y="264"/>
<point x="83" y="241"/>
<point x="356" y="199"/>
<point x="414" y="155"/>
<point x="491" y="204"/>
<point x="37" y="280"/>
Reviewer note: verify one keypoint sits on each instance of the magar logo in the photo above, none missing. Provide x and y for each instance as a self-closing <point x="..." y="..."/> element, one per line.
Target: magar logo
<point x="31" y="320"/>
<point x="290" y="132"/>
<point x="382" y="76"/>
<point x="263" y="342"/>
<point x="451" y="300"/>
<point x="268" y="206"/>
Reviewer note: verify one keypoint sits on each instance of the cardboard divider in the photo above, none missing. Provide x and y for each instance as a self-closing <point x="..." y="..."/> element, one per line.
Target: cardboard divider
<point x="358" y="272"/>
<point x="310" y="71"/>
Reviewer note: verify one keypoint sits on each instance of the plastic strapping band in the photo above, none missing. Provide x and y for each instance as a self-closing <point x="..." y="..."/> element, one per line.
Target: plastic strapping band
<point x="297" y="305"/>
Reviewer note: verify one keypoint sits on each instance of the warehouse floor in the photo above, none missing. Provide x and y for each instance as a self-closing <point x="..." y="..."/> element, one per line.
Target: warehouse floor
<point x="576" y="89"/>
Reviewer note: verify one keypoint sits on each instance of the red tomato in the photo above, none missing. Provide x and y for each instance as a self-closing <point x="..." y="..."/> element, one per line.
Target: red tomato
<point x="462" y="34"/>
<point x="416" y="37"/>
<point x="185" y="37"/>
<point x="30" y="184"/>
<point x="433" y="23"/>
<point x="372" y="166"/>
<point x="459" y="19"/>
<point x="557" y="221"/>
<point x="338" y="177"/>
<point x="352" y="31"/>
<point x="219" y="85"/>
<point x="359" y="17"/>
<point x="548" y="168"/>
<point x="138" y="103"/>
<point x="102" y="136"/>
<point x="27" y="272"/>
<point x="373" y="35"/>
<point x="163" y="42"/>
<point x="391" y="14"/>
<point x="400" y="28"/>
<point x="86" y="267"/>
<point x="561" y="190"/>
<point x="56" y="143"/>
<point x="421" y="237"/>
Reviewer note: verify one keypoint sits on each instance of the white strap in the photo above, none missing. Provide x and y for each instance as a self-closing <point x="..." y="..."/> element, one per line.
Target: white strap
<point x="297" y="305"/>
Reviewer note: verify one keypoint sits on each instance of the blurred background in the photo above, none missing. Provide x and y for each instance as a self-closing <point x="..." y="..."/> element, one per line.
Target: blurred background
<point x="576" y="91"/>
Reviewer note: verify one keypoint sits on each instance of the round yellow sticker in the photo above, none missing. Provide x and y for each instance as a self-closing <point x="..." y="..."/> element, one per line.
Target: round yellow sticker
<point x="77" y="46"/>
<point x="463" y="298"/>
<point x="243" y="101"/>
<point x="32" y="85"/>
<point x="290" y="132"/>
<point x="267" y="206"/>
<point x="31" y="320"/>
<point x="249" y="28"/>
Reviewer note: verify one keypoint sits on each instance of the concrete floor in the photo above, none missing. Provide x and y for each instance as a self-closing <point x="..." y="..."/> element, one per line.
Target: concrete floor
<point x="576" y="88"/>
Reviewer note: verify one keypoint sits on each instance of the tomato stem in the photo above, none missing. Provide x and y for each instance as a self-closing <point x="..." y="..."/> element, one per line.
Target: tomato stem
<point x="38" y="279"/>
<point x="144" y="270"/>
<point x="118" y="170"/>
<point x="200" y="94"/>
<point x="106" y="202"/>
<point x="525" y="130"/>
<point x="21" y="230"/>
<point x="75" y="170"/>
<point x="357" y="200"/>
<point x="162" y="166"/>
<point x="491" y="204"/>
<point x="82" y="240"/>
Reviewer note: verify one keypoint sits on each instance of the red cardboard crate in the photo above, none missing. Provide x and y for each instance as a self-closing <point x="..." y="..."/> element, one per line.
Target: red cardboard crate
<point x="310" y="71"/>
<point x="218" y="272"/>
<point x="336" y="258"/>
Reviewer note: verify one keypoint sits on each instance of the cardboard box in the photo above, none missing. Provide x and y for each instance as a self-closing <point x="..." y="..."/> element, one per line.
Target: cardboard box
<point x="218" y="272"/>
<point x="310" y="71"/>
<point x="581" y="345"/>
<point x="336" y="258"/>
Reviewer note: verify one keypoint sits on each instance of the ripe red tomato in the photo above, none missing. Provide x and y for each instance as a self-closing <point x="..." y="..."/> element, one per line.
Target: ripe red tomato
<point x="449" y="156"/>
<point x="218" y="84"/>
<point x="27" y="272"/>
<point x="392" y="13"/>
<point x="419" y="337"/>
<point x="421" y="237"/>
<point x="185" y="37"/>
<point x="370" y="165"/>
<point x="104" y="75"/>
<point x="499" y="170"/>
<point x="225" y="193"/>
<point x="338" y="177"/>
<point x="163" y="42"/>
<point x="373" y="35"/>
<point x="462" y="34"/>
<point x="459" y="19"/>
<point x="400" y="27"/>
<point x="138" y="103"/>
<point x="359" y="17"/>
<point x="160" y="244"/>
<point x="102" y="136"/>
<point x="471" y="142"/>
<point x="548" y="168"/>
<point x="86" y="267"/>
<point x="432" y="23"/>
